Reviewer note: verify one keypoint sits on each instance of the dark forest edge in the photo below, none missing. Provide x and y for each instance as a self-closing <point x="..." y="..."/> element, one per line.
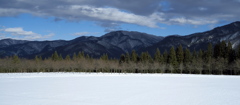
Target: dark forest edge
<point x="218" y="60"/>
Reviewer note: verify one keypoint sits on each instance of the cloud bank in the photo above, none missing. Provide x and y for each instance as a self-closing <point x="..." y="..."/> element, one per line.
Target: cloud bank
<point x="147" y="13"/>
<point x="19" y="33"/>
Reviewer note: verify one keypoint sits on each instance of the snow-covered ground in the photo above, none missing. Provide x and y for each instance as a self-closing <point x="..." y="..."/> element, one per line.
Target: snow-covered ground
<point x="118" y="89"/>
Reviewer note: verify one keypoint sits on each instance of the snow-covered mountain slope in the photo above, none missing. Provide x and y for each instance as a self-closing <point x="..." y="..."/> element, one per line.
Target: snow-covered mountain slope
<point x="114" y="44"/>
<point x="197" y="41"/>
<point x="30" y="48"/>
<point x="127" y="41"/>
<point x="9" y="42"/>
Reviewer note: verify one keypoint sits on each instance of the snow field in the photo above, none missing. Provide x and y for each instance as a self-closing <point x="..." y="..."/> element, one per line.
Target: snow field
<point x="118" y="89"/>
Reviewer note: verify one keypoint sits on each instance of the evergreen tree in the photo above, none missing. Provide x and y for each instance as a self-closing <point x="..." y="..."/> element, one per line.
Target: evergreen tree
<point x="60" y="57"/>
<point x="149" y="57"/>
<point x="229" y="51"/>
<point x="165" y="56"/>
<point x="172" y="57"/>
<point x="55" y="56"/>
<point x="232" y="56"/>
<point x="146" y="57"/>
<point x="223" y="47"/>
<point x="194" y="55"/>
<point x="68" y="58"/>
<point x="134" y="56"/>
<point x="74" y="56"/>
<point x="83" y="54"/>
<point x="179" y="54"/>
<point x="16" y="59"/>
<point x="104" y="57"/>
<point x="223" y="50"/>
<point x="143" y="57"/>
<point x="40" y="58"/>
<point x="217" y="51"/>
<point x="127" y="58"/>
<point x="238" y="52"/>
<point x="37" y="59"/>
<point x="200" y="54"/>
<point x="88" y="57"/>
<point x="122" y="59"/>
<point x="210" y="50"/>
<point x="208" y="59"/>
<point x="161" y="59"/>
<point x="158" y="57"/>
<point x="208" y="54"/>
<point x="187" y="55"/>
<point x="80" y="55"/>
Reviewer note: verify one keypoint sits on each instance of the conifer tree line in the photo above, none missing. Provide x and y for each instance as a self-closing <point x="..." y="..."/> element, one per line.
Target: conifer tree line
<point x="220" y="59"/>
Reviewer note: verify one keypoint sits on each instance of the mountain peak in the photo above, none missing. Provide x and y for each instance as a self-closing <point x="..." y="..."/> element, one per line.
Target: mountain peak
<point x="232" y="25"/>
<point x="9" y="41"/>
<point x="131" y="34"/>
<point x="119" y="32"/>
<point x="237" y="23"/>
<point x="226" y="29"/>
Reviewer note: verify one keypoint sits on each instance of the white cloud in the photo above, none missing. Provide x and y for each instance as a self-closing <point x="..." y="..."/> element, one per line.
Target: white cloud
<point x="81" y="33"/>
<point x="113" y="14"/>
<point x="84" y="33"/>
<point x="182" y="20"/>
<point x="19" y="33"/>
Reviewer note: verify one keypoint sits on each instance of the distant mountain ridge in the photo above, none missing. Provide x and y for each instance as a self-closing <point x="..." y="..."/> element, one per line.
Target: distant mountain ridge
<point x="8" y="42"/>
<point x="197" y="41"/>
<point x="113" y="43"/>
<point x="118" y="42"/>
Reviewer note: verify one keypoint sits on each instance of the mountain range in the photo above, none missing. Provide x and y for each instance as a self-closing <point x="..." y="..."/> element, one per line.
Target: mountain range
<point x="118" y="42"/>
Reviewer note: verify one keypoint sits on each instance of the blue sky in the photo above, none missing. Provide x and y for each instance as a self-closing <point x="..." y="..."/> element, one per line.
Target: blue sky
<point x="61" y="19"/>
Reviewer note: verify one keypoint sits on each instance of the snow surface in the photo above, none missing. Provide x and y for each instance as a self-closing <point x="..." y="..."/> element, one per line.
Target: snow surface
<point x="118" y="89"/>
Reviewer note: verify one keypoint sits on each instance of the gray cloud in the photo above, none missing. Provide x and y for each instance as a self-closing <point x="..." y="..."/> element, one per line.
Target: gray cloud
<point x="205" y="11"/>
<point x="141" y="12"/>
<point x="109" y="26"/>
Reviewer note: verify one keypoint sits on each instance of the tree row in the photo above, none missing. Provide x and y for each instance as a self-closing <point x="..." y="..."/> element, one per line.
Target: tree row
<point x="218" y="59"/>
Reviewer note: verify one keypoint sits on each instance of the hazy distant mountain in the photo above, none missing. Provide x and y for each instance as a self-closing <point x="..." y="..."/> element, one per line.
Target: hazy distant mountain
<point x="118" y="42"/>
